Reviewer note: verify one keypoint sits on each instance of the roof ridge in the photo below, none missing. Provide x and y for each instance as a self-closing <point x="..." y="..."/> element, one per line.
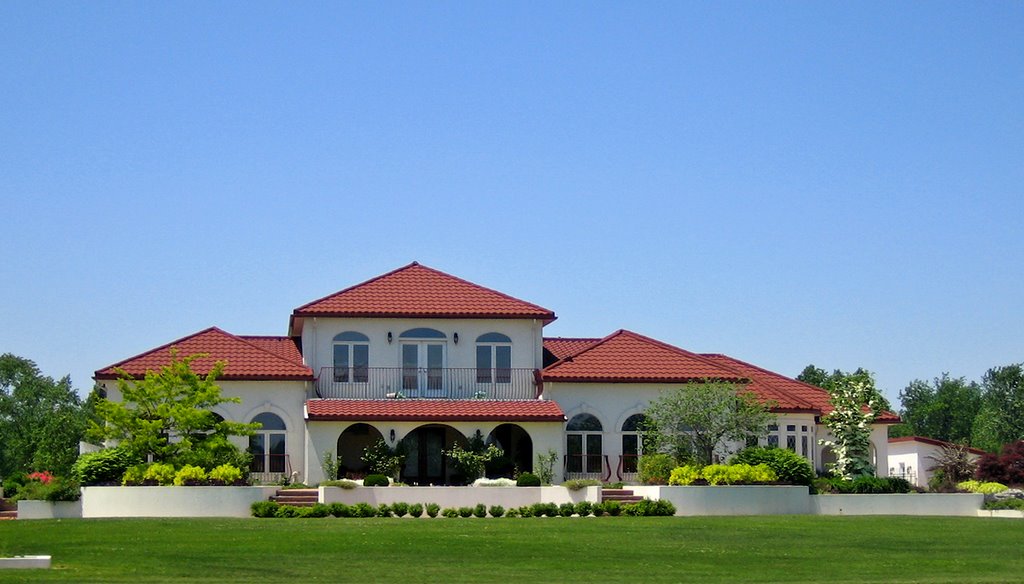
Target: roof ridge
<point x="771" y="383"/>
<point x="568" y="358"/>
<point x="679" y="350"/>
<point x="259" y="348"/>
<point x="160" y="348"/>
<point x="474" y="284"/>
<point x="363" y="283"/>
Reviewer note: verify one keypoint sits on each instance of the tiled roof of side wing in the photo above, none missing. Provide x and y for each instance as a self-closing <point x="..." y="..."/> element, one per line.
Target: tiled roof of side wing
<point x="791" y="392"/>
<point x="245" y="359"/>
<point x="418" y="291"/>
<point x="287" y="347"/>
<point x="434" y="410"/>
<point x="562" y="347"/>
<point x="628" y="357"/>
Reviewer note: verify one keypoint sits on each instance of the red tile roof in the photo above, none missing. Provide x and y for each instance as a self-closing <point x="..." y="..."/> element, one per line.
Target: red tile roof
<point x="416" y="291"/>
<point x="252" y="358"/>
<point x="933" y="442"/>
<point x="790" y="395"/>
<point x="628" y="357"/>
<point x="562" y="347"/>
<point x="427" y="410"/>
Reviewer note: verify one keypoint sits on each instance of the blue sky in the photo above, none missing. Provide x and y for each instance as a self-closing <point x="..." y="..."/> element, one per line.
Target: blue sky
<point x="789" y="183"/>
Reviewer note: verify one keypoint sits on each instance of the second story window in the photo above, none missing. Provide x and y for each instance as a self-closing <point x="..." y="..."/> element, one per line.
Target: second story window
<point x="351" y="357"/>
<point x="493" y="358"/>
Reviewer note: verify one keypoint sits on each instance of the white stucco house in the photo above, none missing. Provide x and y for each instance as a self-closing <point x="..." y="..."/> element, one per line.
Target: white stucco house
<point x="912" y="457"/>
<point x="424" y="357"/>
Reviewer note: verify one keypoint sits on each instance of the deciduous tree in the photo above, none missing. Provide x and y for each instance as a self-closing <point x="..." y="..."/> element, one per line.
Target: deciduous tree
<point x="944" y="409"/>
<point x="856" y="406"/>
<point x="1001" y="417"/>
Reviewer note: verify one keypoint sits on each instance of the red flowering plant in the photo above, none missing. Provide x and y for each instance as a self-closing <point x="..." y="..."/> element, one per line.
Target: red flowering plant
<point x="43" y="477"/>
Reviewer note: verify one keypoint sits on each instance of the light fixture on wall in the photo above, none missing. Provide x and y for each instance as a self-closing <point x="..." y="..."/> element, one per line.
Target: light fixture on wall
<point x="456" y="338"/>
<point x="390" y="337"/>
<point x="392" y="434"/>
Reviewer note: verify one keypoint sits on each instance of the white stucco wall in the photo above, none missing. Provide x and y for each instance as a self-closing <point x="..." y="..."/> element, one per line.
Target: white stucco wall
<point x="171" y="501"/>
<point x="49" y="509"/>
<point x="507" y="497"/>
<point x="318" y="339"/>
<point x="947" y="504"/>
<point x="917" y="456"/>
<point x="322" y="437"/>
<point x="731" y="500"/>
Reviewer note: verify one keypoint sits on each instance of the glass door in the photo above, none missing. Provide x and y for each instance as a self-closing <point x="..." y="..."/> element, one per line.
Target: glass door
<point x="423" y="368"/>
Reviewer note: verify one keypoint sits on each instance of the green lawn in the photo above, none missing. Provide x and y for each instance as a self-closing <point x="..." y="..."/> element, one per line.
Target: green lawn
<point x="620" y="549"/>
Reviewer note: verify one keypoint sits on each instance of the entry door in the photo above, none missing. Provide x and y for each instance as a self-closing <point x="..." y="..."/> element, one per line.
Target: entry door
<point x="423" y="368"/>
<point x="425" y="460"/>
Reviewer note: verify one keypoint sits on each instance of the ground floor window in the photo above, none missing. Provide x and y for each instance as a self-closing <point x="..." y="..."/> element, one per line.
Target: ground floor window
<point x="584" y="449"/>
<point x="268" y="445"/>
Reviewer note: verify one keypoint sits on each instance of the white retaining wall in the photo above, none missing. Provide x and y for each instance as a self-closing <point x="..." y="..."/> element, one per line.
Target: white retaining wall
<point x="171" y="501"/>
<point x="731" y="500"/>
<point x="507" y="497"/>
<point x="949" y="504"/>
<point x="49" y="509"/>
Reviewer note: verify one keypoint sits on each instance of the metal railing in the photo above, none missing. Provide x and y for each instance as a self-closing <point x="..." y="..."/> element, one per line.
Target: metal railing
<point x="587" y="466"/>
<point x="628" y="469"/>
<point x="425" y="383"/>
<point x="269" y="468"/>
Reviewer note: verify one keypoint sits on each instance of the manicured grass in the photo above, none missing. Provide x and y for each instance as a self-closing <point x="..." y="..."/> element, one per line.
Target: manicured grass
<point x="621" y="549"/>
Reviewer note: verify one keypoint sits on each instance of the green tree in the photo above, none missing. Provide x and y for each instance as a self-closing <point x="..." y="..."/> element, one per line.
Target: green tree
<point x="855" y="407"/>
<point x="1001" y="417"/>
<point x="167" y="416"/>
<point x="821" y="378"/>
<point x="944" y="409"/>
<point x="691" y="422"/>
<point x="41" y="420"/>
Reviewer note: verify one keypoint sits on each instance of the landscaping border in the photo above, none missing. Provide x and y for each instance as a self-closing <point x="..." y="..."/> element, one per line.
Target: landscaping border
<point x="507" y="497"/>
<point x="172" y="501"/>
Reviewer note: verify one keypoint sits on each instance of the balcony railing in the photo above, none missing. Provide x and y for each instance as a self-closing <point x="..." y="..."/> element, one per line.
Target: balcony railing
<point x="425" y="383"/>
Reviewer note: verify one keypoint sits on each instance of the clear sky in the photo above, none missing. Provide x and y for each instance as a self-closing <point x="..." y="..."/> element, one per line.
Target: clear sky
<point x="786" y="182"/>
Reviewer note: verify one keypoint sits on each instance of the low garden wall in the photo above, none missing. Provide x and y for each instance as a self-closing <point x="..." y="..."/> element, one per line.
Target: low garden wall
<point x="49" y="509"/>
<point x="459" y="496"/>
<point x="171" y="501"/>
<point x="949" y="504"/>
<point x="731" y="500"/>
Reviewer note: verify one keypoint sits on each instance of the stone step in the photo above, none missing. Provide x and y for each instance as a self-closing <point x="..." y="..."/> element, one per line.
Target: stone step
<point x="620" y="495"/>
<point x="5" y="515"/>
<point x="297" y="497"/>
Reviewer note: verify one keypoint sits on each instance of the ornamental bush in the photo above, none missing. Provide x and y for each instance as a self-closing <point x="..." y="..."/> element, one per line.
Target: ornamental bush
<point x="433" y="509"/>
<point x="341" y="510"/>
<point x="584" y="508"/>
<point x="737" y="474"/>
<point x="1007" y="468"/>
<point x="566" y="509"/>
<point x="613" y="508"/>
<point x="684" y="475"/>
<point x="650" y="508"/>
<point x="788" y="466"/>
<point x="528" y="479"/>
<point x="363" y="510"/>
<point x="989" y="488"/>
<point x="376" y="480"/>
<point x="655" y="469"/>
<point x="103" y="467"/>
<point x="341" y="483"/>
<point x="450" y="512"/>
<point x="496" y="510"/>
<point x="400" y="509"/>
<point x="416" y="510"/>
<point x="480" y="510"/>
<point x="189" y="475"/>
<point x="384" y="510"/>
<point x="577" y="484"/>
<point x="226" y="474"/>
<point x="160" y="474"/>
<point x="465" y="511"/>
<point x="264" y="508"/>
<point x="135" y="475"/>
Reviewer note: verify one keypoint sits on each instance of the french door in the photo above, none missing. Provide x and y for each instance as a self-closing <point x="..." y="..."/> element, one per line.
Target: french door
<point x="423" y="367"/>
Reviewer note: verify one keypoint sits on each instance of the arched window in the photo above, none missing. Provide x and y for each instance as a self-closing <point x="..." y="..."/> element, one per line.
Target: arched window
<point x="351" y="357"/>
<point x="583" y="444"/>
<point x="267" y="445"/>
<point x="632" y="447"/>
<point x="493" y="358"/>
<point x="423" y="354"/>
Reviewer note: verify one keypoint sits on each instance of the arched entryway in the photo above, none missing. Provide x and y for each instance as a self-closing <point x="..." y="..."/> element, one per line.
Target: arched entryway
<point x="828" y="458"/>
<point x="425" y="461"/>
<point x="518" y="448"/>
<point x="351" y="445"/>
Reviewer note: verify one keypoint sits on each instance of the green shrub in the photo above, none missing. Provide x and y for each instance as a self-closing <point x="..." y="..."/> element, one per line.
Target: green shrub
<point x="513" y="512"/>
<point x="650" y="508"/>
<point x="343" y="483"/>
<point x="566" y="509"/>
<point x="788" y="466"/>
<point x="189" y="476"/>
<point x="226" y="474"/>
<point x="584" y="508"/>
<point x="737" y="474"/>
<point x="465" y="511"/>
<point x="400" y="509"/>
<point x="480" y="510"/>
<point x="288" y="512"/>
<point x="384" y="510"/>
<point x="264" y="509"/>
<point x="416" y="510"/>
<point x="496" y="510"/>
<point x="363" y="510"/>
<point x="292" y="486"/>
<point x="1011" y="504"/>
<point x="577" y="484"/>
<point x="319" y="510"/>
<point x="613" y="508"/>
<point x="548" y="509"/>
<point x="103" y="467"/>
<point x="376" y="480"/>
<point x="597" y="509"/>
<point x="655" y="469"/>
<point x="990" y="488"/>
<point x="57" y="489"/>
<point x="14" y="483"/>
<point x="341" y="510"/>
<point x="159" y="473"/>
<point x="450" y="512"/>
<point x="866" y="485"/>
<point x="433" y="509"/>
<point x="525" y="511"/>
<point x="684" y="475"/>
<point x="528" y="479"/>
<point x="134" y="476"/>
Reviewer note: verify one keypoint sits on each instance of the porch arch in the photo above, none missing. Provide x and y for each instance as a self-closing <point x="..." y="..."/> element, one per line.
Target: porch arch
<point x="517" y="445"/>
<point x="352" y="442"/>
<point x="425" y="461"/>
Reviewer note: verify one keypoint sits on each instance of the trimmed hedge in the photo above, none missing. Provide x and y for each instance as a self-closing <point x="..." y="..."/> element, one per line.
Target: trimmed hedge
<point x="788" y="465"/>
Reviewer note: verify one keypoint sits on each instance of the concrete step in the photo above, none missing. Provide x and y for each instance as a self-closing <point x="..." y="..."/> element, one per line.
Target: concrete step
<point x="620" y="495"/>
<point x="5" y="515"/>
<point x="297" y="497"/>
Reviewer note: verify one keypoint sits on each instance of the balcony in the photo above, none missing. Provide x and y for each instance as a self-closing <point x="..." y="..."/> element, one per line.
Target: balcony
<point x="425" y="383"/>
